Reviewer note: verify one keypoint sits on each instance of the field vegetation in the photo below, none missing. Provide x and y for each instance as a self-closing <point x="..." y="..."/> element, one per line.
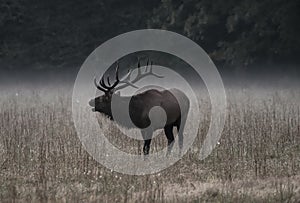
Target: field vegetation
<point x="256" y="160"/>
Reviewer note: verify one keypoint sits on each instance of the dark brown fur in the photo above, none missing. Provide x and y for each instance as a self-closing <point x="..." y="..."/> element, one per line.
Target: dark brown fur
<point x="141" y="104"/>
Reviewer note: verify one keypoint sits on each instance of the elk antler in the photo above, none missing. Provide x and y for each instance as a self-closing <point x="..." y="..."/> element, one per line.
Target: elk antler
<point x="139" y="76"/>
<point x="107" y="88"/>
<point x="126" y="79"/>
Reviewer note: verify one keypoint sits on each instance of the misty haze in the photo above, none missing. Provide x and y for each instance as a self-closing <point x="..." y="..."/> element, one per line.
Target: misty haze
<point x="255" y="47"/>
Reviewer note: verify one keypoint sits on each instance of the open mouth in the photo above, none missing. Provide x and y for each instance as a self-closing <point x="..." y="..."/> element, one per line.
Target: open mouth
<point x="92" y="104"/>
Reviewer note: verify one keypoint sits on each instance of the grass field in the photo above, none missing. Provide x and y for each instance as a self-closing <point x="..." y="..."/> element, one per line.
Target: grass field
<point x="257" y="159"/>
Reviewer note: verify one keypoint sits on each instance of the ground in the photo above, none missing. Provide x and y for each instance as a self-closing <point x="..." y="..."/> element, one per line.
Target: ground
<point x="256" y="160"/>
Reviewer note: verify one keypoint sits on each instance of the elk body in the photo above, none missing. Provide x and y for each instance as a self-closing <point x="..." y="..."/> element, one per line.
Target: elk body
<point x="174" y="102"/>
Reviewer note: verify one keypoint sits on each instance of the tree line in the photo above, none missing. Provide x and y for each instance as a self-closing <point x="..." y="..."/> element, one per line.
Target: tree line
<point x="235" y="33"/>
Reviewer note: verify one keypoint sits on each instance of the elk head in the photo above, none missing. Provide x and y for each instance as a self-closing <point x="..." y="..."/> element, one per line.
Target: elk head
<point x="102" y="103"/>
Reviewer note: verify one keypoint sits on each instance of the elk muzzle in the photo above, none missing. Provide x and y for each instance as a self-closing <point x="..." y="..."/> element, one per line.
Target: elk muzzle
<point x="92" y="104"/>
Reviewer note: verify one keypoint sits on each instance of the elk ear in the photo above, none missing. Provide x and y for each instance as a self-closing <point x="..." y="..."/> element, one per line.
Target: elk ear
<point x="118" y="93"/>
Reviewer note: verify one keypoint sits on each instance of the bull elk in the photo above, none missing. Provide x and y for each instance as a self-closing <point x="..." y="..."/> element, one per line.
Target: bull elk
<point x="176" y="108"/>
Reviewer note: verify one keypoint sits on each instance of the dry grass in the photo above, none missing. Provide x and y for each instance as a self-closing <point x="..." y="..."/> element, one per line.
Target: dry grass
<point x="42" y="159"/>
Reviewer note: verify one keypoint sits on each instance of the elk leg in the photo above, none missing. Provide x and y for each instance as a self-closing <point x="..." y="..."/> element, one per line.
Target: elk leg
<point x="169" y="133"/>
<point x="180" y="123"/>
<point x="146" y="148"/>
<point x="147" y="141"/>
